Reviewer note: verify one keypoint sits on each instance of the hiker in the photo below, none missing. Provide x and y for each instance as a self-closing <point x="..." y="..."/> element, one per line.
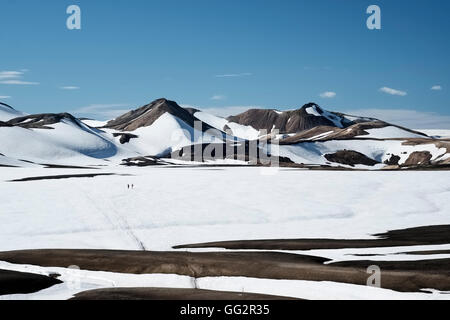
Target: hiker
<point x="128" y="186"/>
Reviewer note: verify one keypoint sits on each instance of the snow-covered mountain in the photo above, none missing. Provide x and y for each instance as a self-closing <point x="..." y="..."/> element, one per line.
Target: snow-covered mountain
<point x="161" y="127"/>
<point x="156" y="129"/>
<point x="309" y="136"/>
<point x="55" y="138"/>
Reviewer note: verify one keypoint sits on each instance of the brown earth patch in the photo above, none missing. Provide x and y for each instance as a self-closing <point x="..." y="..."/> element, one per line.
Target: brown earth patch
<point x="418" y="158"/>
<point x="430" y="252"/>
<point x="170" y="294"/>
<point x="428" y="235"/>
<point x="351" y="158"/>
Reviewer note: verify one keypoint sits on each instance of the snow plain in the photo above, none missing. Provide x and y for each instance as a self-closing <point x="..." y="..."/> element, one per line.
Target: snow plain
<point x="177" y="205"/>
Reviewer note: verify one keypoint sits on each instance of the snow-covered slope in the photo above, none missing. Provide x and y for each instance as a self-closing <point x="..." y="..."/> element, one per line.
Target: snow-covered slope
<point x="240" y="131"/>
<point x="391" y="132"/>
<point x="8" y="113"/>
<point x="436" y="133"/>
<point x="166" y="134"/>
<point x="94" y="123"/>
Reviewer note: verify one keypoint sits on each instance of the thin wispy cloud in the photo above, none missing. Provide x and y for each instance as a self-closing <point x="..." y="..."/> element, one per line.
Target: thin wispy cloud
<point x="218" y="97"/>
<point x="436" y="88"/>
<point x="10" y="75"/>
<point x="15" y="78"/>
<point x="19" y="82"/>
<point x="69" y="88"/>
<point x="393" y="92"/>
<point x="5" y="97"/>
<point x="233" y="75"/>
<point x="105" y="111"/>
<point x="328" y="95"/>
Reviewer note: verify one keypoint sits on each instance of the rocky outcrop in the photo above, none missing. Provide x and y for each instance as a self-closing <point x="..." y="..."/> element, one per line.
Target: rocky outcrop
<point x="124" y="137"/>
<point x="142" y="162"/>
<point x="42" y="121"/>
<point x="5" y="124"/>
<point x="393" y="160"/>
<point x="418" y="158"/>
<point x="351" y="158"/>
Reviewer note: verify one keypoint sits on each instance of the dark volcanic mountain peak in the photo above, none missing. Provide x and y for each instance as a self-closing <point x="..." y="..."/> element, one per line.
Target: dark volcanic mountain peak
<point x="145" y="116"/>
<point x="305" y="118"/>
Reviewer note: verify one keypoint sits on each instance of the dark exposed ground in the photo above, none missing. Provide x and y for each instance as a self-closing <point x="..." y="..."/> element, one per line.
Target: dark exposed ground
<point x="42" y="121"/>
<point x="59" y="166"/>
<point x="142" y="162"/>
<point x="427" y="252"/>
<point x="169" y="294"/>
<point x="350" y="157"/>
<point x="407" y="237"/>
<point x="125" y="137"/>
<point x="419" y="158"/>
<point x="400" y="276"/>
<point x="66" y="176"/>
<point x="249" y="151"/>
<point x="12" y="282"/>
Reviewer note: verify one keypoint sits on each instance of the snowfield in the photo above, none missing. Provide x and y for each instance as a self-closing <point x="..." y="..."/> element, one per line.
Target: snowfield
<point x="240" y="131"/>
<point x="172" y="206"/>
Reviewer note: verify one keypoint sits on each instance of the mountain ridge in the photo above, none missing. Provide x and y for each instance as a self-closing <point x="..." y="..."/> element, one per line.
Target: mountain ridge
<point x="307" y="117"/>
<point x="309" y="136"/>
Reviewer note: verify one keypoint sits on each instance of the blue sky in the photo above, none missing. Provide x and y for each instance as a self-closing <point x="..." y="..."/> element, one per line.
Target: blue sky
<point x="226" y="55"/>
